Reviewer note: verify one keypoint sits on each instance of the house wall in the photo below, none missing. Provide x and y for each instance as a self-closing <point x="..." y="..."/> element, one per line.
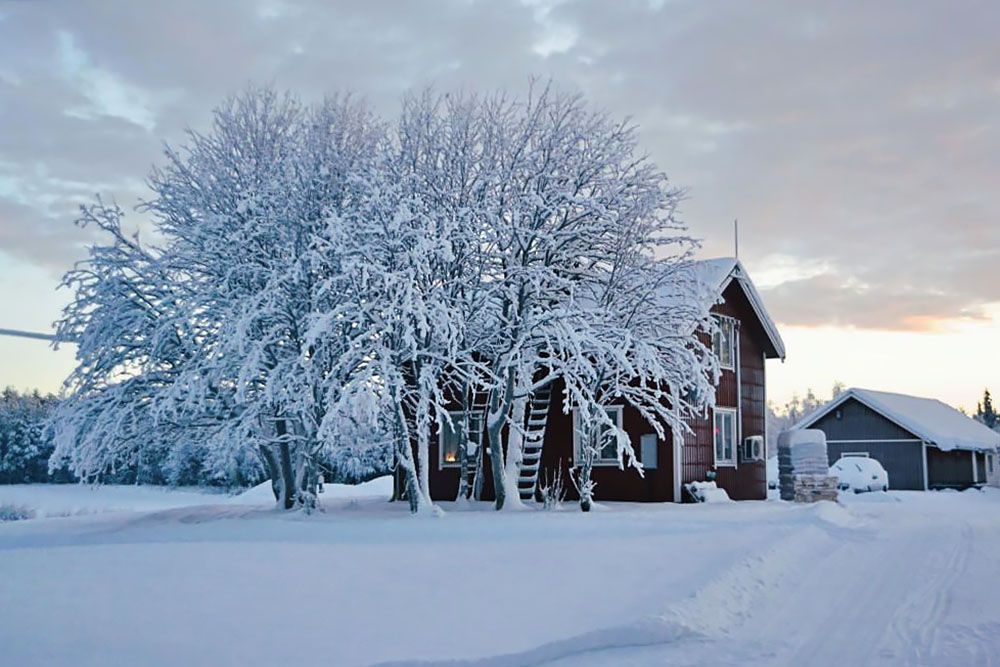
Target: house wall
<point x="853" y="427"/>
<point x="745" y="480"/>
<point x="654" y="485"/>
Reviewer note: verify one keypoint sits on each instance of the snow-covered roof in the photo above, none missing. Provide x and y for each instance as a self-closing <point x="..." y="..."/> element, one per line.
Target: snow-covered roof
<point x="717" y="273"/>
<point x="927" y="418"/>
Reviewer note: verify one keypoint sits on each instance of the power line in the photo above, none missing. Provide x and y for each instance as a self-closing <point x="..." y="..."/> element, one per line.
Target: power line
<point x="27" y="334"/>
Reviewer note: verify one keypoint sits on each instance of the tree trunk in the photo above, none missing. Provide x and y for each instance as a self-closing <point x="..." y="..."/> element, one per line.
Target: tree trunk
<point x="273" y="470"/>
<point x="515" y="450"/>
<point x="285" y="459"/>
<point x="463" y="450"/>
<point x="497" y="417"/>
<point x="404" y="452"/>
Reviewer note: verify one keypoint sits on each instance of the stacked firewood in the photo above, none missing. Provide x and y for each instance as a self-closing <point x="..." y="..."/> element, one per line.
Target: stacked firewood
<point x="811" y="488"/>
<point x="803" y="472"/>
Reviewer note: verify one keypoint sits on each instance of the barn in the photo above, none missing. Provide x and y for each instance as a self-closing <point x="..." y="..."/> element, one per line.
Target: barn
<point x="921" y="442"/>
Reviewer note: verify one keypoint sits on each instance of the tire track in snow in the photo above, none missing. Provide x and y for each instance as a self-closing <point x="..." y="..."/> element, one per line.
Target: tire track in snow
<point x="917" y="625"/>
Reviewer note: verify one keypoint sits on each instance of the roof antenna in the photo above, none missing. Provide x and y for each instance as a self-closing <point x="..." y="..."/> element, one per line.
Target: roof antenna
<point x="736" y="236"/>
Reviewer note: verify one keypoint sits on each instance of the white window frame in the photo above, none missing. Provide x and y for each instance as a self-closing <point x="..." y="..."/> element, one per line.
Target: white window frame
<point x="731" y="462"/>
<point x="618" y="413"/>
<point x="725" y="321"/>
<point x="456" y="416"/>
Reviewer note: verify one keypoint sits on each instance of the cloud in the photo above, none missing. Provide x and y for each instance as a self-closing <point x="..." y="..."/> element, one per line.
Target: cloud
<point x="106" y="94"/>
<point x="856" y="142"/>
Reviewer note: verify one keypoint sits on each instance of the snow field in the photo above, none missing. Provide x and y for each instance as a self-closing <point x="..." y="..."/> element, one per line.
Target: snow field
<point x="364" y="583"/>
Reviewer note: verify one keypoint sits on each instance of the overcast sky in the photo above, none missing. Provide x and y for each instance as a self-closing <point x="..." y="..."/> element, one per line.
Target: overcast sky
<point x="857" y="143"/>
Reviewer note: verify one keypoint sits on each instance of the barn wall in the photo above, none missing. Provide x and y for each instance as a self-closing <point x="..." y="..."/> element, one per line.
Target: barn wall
<point x="949" y="469"/>
<point x="904" y="461"/>
<point x="853" y="420"/>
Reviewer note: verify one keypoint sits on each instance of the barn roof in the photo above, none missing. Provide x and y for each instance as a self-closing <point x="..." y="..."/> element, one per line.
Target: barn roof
<point x="718" y="273"/>
<point x="927" y="418"/>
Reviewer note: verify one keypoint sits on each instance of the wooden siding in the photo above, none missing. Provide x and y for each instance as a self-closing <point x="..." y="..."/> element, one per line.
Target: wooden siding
<point x="654" y="485"/>
<point x="745" y="481"/>
<point x="949" y="469"/>
<point x="904" y="461"/>
<point x="859" y="422"/>
<point x="612" y="483"/>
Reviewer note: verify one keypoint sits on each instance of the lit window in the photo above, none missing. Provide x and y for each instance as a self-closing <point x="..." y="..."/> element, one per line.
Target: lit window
<point x="724" y="342"/>
<point x="450" y="441"/>
<point x="608" y="449"/>
<point x="725" y="437"/>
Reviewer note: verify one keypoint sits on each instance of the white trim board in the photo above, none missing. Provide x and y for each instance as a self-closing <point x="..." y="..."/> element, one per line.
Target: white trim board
<point x="849" y="442"/>
<point x="715" y="459"/>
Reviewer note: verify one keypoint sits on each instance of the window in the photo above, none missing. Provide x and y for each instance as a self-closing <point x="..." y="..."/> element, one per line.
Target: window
<point x="449" y="442"/>
<point x="725" y="437"/>
<point x="724" y="342"/>
<point x="607" y="453"/>
<point x="647" y="450"/>
<point x="989" y="463"/>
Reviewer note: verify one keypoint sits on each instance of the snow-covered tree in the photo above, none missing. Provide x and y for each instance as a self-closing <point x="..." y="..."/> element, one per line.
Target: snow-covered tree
<point x="202" y="339"/>
<point x="782" y="417"/>
<point x="25" y="444"/>
<point x="323" y="284"/>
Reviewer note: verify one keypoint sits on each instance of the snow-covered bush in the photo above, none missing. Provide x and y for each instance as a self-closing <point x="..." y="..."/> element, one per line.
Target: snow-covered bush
<point x="551" y="488"/>
<point x="10" y="512"/>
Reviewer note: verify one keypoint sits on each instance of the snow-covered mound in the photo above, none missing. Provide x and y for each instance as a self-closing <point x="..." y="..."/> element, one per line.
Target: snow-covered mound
<point x="708" y="492"/>
<point x="380" y="487"/>
<point x="60" y="500"/>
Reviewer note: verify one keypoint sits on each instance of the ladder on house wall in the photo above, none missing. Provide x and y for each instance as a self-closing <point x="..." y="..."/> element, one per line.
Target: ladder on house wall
<point x="473" y="465"/>
<point x="534" y="439"/>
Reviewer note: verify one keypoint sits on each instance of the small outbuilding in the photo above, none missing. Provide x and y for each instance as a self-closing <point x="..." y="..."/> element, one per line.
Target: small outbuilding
<point x="921" y="442"/>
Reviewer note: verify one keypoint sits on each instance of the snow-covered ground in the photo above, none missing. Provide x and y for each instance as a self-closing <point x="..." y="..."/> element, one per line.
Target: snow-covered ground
<point x="185" y="578"/>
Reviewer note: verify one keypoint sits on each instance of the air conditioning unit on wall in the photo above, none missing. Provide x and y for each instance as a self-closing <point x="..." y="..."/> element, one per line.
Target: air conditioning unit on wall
<point x="753" y="448"/>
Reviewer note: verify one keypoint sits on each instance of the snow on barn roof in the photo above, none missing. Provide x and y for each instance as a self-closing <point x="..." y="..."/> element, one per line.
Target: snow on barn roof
<point x="717" y="274"/>
<point x="927" y="418"/>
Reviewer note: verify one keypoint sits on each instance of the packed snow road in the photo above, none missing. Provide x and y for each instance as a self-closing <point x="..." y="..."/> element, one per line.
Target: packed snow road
<point x="898" y="579"/>
<point x="907" y="583"/>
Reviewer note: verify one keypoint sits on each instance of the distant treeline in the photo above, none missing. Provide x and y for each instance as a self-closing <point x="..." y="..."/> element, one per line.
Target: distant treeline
<point x="26" y="445"/>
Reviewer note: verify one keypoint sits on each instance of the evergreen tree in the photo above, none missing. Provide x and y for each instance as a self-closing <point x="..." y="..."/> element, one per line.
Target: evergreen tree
<point x="985" y="412"/>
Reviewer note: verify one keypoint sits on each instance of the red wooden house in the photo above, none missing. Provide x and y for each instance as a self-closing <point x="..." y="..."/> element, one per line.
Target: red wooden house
<point x="727" y="443"/>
